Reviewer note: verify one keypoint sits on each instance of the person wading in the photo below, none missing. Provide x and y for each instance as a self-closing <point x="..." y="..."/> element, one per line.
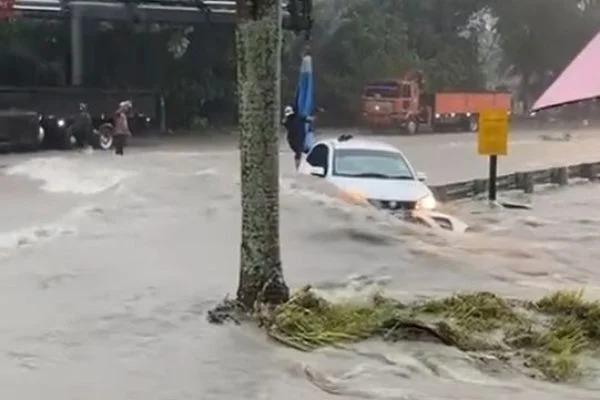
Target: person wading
<point x="121" y="132"/>
<point x="295" y="133"/>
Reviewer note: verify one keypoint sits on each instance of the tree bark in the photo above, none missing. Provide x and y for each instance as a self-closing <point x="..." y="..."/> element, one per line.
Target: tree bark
<point x="258" y="59"/>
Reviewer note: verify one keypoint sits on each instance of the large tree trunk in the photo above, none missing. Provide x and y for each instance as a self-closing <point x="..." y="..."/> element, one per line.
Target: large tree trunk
<point x="258" y="59"/>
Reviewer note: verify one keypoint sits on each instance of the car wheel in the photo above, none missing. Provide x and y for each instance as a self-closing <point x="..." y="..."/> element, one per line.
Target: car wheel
<point x="412" y="127"/>
<point x="105" y="137"/>
<point x="69" y="141"/>
<point x="39" y="139"/>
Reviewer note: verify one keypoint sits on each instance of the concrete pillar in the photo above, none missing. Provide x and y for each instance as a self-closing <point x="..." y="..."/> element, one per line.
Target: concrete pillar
<point x="588" y="171"/>
<point x="525" y="182"/>
<point x="76" y="48"/>
<point x="481" y="186"/>
<point x="560" y="176"/>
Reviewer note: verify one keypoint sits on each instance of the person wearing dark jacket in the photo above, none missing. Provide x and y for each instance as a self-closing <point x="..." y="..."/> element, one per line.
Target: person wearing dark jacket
<point x="294" y="124"/>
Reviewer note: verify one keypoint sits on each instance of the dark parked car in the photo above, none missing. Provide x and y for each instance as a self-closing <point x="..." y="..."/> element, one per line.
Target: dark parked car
<point x="21" y="130"/>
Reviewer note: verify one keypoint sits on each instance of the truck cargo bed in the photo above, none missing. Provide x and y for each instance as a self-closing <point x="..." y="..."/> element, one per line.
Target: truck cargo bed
<point x="474" y="103"/>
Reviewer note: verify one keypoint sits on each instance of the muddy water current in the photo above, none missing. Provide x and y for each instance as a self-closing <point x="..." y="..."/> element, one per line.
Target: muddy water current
<point x="109" y="265"/>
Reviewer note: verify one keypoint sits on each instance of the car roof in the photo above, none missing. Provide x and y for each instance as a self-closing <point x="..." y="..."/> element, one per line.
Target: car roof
<point x="359" y="144"/>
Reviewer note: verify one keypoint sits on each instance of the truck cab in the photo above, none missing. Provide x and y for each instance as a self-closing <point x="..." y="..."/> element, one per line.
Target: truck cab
<point x="393" y="103"/>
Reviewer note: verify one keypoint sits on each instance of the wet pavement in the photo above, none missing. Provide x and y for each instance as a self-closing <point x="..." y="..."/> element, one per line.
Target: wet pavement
<point x="108" y="266"/>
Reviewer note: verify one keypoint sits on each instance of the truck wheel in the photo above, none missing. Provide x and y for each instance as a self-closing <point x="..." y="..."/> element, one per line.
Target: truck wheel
<point x="105" y="137"/>
<point x="412" y="127"/>
<point x="473" y="125"/>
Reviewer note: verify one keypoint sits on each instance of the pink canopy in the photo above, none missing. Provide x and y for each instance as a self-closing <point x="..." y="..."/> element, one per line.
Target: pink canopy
<point x="580" y="81"/>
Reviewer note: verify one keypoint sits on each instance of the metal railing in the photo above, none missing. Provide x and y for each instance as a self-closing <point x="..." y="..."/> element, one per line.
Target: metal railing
<point x="58" y="8"/>
<point x="518" y="181"/>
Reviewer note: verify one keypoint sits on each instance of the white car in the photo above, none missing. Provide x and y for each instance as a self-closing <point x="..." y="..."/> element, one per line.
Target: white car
<point x="374" y="171"/>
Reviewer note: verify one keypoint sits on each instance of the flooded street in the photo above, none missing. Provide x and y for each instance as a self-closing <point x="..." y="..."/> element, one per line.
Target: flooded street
<point x="108" y="266"/>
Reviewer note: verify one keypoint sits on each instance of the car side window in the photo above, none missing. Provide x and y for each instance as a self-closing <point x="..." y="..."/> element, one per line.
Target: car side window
<point x="318" y="157"/>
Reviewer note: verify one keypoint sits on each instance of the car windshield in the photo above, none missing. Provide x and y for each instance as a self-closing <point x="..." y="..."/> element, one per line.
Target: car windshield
<point x="371" y="164"/>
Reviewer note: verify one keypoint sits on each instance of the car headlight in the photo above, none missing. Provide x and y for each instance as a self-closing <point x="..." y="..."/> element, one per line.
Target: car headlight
<point x="438" y="116"/>
<point x="61" y="123"/>
<point x="427" y="203"/>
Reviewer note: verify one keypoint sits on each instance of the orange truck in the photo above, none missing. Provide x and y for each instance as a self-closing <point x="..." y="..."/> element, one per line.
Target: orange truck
<point x="402" y="104"/>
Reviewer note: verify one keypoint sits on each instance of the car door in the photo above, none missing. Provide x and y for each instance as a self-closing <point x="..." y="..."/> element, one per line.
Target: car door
<point x="318" y="157"/>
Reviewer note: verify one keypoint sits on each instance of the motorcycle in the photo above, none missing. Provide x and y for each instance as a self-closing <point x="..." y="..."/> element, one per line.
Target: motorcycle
<point x="104" y="133"/>
<point x="73" y="131"/>
<point x="81" y="130"/>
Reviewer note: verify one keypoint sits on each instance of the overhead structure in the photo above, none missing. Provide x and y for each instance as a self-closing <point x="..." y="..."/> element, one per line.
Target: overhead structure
<point x="136" y="11"/>
<point x="296" y="16"/>
<point x="579" y="82"/>
<point x="172" y="11"/>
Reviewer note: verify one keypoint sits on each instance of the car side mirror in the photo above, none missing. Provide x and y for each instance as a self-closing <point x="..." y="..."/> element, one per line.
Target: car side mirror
<point x="421" y="177"/>
<point x="317" y="171"/>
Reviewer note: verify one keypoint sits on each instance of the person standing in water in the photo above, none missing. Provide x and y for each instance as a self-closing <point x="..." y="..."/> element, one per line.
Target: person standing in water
<point x="121" y="132"/>
<point x="294" y="126"/>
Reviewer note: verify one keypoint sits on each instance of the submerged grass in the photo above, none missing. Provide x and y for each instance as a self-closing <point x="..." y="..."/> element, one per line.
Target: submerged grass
<point x="572" y="303"/>
<point x="481" y="312"/>
<point x="470" y="322"/>
<point x="559" y="347"/>
<point x="307" y="322"/>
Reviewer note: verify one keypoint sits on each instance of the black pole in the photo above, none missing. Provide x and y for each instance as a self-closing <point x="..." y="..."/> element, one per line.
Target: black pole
<point x="493" y="175"/>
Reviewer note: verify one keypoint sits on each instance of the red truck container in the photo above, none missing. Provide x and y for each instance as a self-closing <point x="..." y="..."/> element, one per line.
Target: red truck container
<point x="402" y="104"/>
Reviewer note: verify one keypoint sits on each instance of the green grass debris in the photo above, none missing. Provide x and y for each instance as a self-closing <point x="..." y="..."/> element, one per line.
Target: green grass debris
<point x="572" y="303"/>
<point x="550" y="339"/>
<point x="481" y="312"/>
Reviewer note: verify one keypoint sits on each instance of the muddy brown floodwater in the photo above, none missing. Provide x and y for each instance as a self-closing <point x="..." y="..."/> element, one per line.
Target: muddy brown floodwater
<point x="108" y="266"/>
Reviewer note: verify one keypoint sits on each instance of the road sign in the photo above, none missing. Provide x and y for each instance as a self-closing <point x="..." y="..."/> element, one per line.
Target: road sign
<point x="493" y="133"/>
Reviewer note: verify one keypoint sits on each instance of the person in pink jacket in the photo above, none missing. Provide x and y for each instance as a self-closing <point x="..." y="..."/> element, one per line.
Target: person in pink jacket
<point x="121" y="132"/>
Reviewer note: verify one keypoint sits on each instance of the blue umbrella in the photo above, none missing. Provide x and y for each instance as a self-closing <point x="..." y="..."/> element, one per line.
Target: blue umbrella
<point x="305" y="100"/>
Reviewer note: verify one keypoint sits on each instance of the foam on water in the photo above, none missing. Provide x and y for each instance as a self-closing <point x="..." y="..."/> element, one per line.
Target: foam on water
<point x="64" y="175"/>
<point x="30" y="236"/>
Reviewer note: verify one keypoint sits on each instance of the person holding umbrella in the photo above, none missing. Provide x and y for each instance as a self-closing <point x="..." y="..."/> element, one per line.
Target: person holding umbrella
<point x="298" y="120"/>
<point x="296" y="137"/>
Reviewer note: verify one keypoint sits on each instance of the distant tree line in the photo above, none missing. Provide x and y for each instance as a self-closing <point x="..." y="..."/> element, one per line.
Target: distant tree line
<point x="461" y="44"/>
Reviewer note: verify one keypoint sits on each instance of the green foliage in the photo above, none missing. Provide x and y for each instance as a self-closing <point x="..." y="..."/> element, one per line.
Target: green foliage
<point x="479" y="322"/>
<point x="362" y="40"/>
